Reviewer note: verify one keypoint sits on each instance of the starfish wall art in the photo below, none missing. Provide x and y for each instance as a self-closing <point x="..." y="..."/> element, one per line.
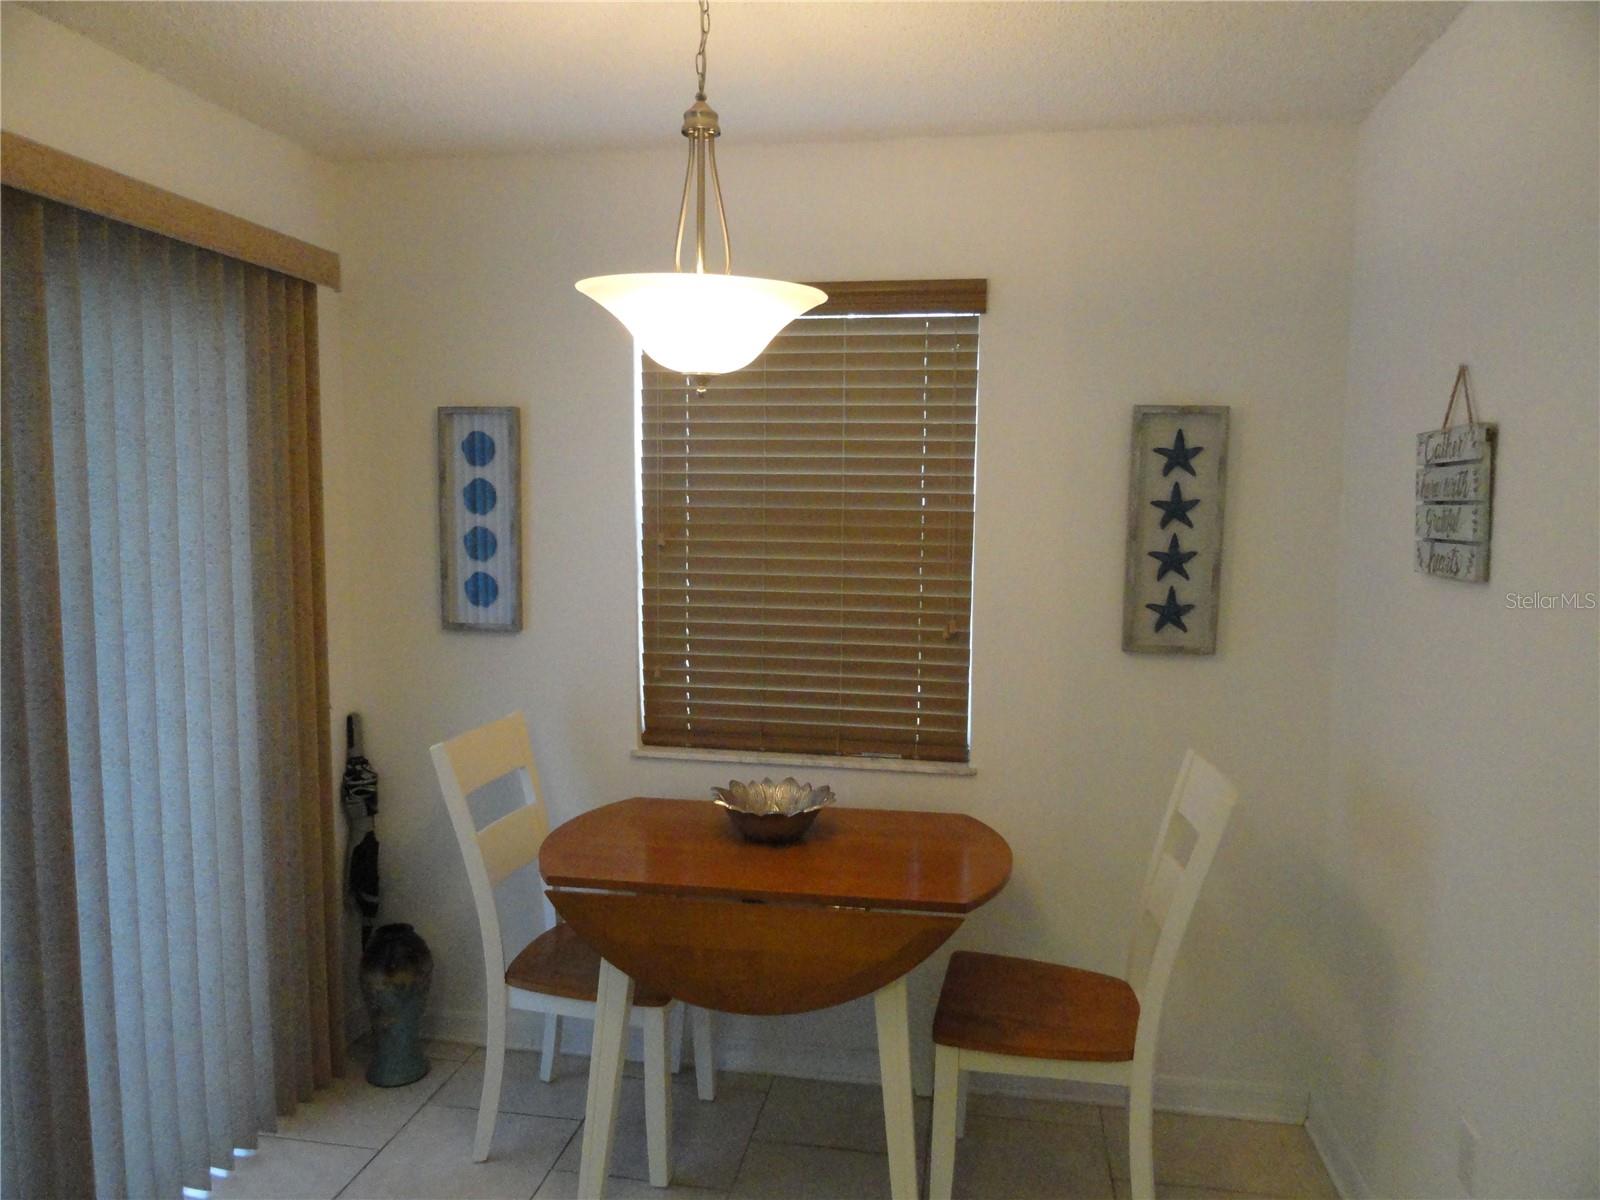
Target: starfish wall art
<point x="1175" y="507"/>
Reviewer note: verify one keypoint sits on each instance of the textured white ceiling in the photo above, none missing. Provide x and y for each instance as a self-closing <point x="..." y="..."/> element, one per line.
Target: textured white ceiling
<point x="377" y="80"/>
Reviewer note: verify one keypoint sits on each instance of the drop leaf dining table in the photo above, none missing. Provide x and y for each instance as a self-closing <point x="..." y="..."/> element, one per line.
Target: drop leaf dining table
<point x="672" y="899"/>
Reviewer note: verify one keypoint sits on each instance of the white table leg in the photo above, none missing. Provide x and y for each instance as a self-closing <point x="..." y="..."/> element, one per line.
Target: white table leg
<point x="614" y="1000"/>
<point x="551" y="1047"/>
<point x="675" y="1027"/>
<point x="946" y="1103"/>
<point x="657" y="1096"/>
<point x="705" y="1059"/>
<point x="894" y="1066"/>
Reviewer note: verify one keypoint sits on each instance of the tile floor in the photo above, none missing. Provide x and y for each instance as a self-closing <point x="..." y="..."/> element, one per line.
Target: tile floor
<point x="776" y="1138"/>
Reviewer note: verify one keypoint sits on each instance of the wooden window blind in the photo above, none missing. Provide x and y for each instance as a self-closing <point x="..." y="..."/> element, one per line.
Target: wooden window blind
<point x="807" y="537"/>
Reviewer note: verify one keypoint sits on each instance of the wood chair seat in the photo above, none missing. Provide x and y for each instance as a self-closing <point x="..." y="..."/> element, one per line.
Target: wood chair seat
<point x="1018" y="1006"/>
<point x="560" y="963"/>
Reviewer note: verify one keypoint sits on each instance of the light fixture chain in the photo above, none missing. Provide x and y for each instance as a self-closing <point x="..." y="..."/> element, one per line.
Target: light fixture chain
<point x="700" y="54"/>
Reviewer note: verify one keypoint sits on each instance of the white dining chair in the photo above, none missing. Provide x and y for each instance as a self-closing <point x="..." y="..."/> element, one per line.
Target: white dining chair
<point x="1016" y="1016"/>
<point x="556" y="974"/>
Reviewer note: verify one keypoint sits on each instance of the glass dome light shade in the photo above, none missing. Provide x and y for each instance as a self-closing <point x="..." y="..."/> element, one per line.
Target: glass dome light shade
<point x="701" y="324"/>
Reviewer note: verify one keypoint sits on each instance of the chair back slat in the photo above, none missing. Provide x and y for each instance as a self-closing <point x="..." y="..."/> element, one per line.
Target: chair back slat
<point x="513" y="841"/>
<point x="1207" y="797"/>
<point x="1166" y="821"/>
<point x="464" y="764"/>
<point x="483" y="755"/>
<point x="1197" y="814"/>
<point x="1163" y="887"/>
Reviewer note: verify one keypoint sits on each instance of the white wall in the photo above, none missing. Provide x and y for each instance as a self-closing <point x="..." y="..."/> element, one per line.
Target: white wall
<point x="71" y="94"/>
<point x="63" y="90"/>
<point x="1459" y="891"/>
<point x="1200" y="265"/>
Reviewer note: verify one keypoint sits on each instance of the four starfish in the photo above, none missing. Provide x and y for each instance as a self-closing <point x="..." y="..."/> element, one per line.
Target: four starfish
<point x="1170" y="612"/>
<point x="1179" y="457"/>
<point x="1174" y="559"/>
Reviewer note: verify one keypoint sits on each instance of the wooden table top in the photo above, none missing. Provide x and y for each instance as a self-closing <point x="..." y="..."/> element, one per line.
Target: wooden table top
<point x="872" y="858"/>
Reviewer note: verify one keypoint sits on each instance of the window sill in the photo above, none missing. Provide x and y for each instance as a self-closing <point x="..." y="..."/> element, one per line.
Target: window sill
<point x="903" y="766"/>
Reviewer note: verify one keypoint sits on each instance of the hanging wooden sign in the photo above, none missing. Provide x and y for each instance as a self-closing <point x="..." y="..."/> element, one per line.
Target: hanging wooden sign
<point x="1455" y="490"/>
<point x="1173" y="569"/>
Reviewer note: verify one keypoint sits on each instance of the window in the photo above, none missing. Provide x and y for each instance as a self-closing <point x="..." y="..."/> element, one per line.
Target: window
<point x="806" y="534"/>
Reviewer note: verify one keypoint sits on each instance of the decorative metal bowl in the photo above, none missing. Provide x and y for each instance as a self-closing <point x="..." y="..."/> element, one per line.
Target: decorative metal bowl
<point x="774" y="813"/>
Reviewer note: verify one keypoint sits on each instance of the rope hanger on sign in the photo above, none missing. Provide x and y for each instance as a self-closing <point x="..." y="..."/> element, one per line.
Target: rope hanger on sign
<point x="1462" y="387"/>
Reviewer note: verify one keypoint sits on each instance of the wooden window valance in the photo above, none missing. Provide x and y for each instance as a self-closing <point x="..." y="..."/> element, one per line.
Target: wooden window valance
<point x="807" y="535"/>
<point x="858" y="296"/>
<point x="33" y="167"/>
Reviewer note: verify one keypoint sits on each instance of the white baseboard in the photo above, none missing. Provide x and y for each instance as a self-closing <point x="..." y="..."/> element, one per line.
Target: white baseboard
<point x="461" y="1025"/>
<point x="837" y="1064"/>
<point x="524" y="1030"/>
<point x="1237" y="1098"/>
<point x="1335" y="1151"/>
<point x="1197" y="1095"/>
<point x="1174" y="1093"/>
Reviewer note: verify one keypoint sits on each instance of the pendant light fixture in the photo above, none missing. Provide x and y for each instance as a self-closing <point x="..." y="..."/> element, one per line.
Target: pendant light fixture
<point x="695" y="322"/>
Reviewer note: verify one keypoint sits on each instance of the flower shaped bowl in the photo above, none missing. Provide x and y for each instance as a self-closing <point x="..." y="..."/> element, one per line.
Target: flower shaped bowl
<point x="774" y="813"/>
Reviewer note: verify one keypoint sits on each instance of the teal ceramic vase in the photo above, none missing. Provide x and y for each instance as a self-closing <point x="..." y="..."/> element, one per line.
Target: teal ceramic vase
<point x="396" y="970"/>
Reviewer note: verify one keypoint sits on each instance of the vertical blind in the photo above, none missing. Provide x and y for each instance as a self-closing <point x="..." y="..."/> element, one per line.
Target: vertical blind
<point x="167" y="760"/>
<point x="806" y="546"/>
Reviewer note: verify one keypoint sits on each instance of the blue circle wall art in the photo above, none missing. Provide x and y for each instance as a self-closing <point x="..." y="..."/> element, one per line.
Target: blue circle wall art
<point x="480" y="543"/>
<point x="479" y="497"/>
<point x="478" y="448"/>
<point x="480" y="509"/>
<point x="482" y="589"/>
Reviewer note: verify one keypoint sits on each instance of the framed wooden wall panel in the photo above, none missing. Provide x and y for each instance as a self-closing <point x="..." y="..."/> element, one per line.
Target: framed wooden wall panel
<point x="480" y="519"/>
<point x="1177" y="485"/>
